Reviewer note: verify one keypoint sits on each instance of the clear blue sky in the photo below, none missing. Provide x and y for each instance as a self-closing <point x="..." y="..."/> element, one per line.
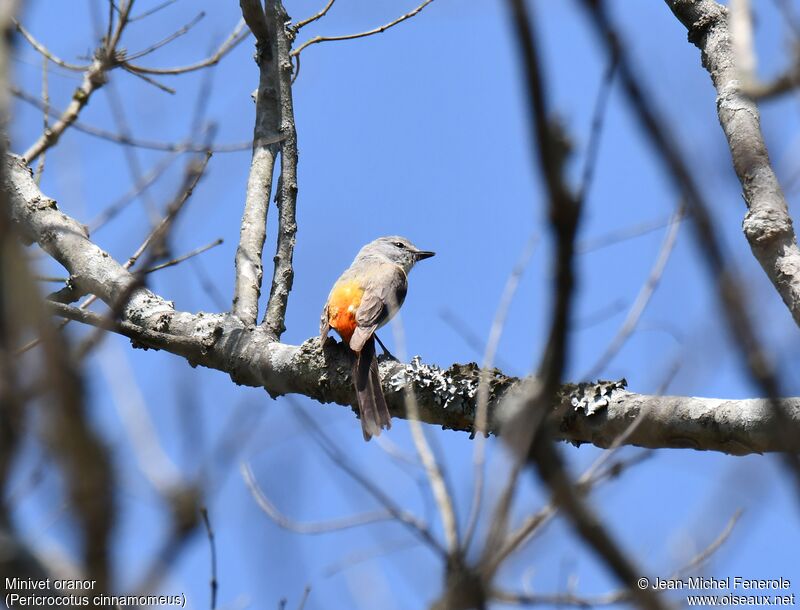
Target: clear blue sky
<point x="421" y="131"/>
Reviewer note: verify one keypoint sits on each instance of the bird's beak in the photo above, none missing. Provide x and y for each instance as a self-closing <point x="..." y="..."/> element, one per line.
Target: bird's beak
<point x="423" y="254"/>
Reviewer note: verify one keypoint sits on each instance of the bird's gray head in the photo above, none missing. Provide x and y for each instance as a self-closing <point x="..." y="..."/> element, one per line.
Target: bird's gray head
<point x="394" y="249"/>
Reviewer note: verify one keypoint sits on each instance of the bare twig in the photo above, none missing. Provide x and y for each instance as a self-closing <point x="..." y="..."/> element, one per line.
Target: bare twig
<point x="417" y="527"/>
<point x="45" y="118"/>
<point x="131" y="154"/>
<point x="111" y="211"/>
<point x="308" y="527"/>
<point x="493" y="557"/>
<point x="596" y="130"/>
<point x="317" y="39"/>
<point x="151" y="11"/>
<point x="304" y="598"/>
<point x="238" y="34"/>
<point x="212" y="581"/>
<point x="701" y="558"/>
<point x="143" y="143"/>
<point x="165" y="41"/>
<point x="740" y="24"/>
<point x="642" y="299"/>
<point x="45" y="52"/>
<point x="616" y="236"/>
<point x="156" y="240"/>
<point x="481" y="416"/>
<point x="301" y="24"/>
<point x="441" y="495"/>
<point x="178" y="260"/>
<point x="95" y="76"/>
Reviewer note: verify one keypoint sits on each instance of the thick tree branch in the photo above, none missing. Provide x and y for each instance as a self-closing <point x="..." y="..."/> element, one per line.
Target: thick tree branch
<point x="286" y="196"/>
<point x="591" y="413"/>
<point x="253" y="232"/>
<point x="274" y="114"/>
<point x="767" y="224"/>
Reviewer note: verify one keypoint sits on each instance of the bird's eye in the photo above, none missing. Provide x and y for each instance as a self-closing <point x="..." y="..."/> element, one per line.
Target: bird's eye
<point x="399" y="244"/>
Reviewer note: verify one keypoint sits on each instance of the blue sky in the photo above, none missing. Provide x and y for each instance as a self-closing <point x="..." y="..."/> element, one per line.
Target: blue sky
<point x="421" y="131"/>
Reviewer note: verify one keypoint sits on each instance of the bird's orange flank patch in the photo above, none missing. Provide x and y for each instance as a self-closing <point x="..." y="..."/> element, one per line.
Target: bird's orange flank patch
<point x="342" y="306"/>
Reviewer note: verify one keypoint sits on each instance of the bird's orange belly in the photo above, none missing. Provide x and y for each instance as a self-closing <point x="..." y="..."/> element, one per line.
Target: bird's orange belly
<point x="343" y="303"/>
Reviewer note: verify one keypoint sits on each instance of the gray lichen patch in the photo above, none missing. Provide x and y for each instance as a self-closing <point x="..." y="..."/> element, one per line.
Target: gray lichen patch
<point x="453" y="390"/>
<point x="591" y="397"/>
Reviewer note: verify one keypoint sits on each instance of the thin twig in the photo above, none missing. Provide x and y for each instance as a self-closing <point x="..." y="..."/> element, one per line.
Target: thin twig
<point x="95" y="76"/>
<point x="45" y="52"/>
<point x="301" y="24"/>
<point x="317" y="39"/>
<point x="596" y="130"/>
<point x="142" y="143"/>
<point x="534" y="523"/>
<point x="152" y="11"/>
<point x="212" y="581"/>
<point x="131" y="154"/>
<point x="701" y="558"/>
<point x="304" y="598"/>
<point x="417" y="527"/>
<point x="307" y="527"/>
<point x="165" y="41"/>
<point x="149" y="80"/>
<point x="642" y="299"/>
<point x="45" y="119"/>
<point x="492" y="344"/>
<point x="616" y="236"/>
<point x="155" y="241"/>
<point x="239" y="34"/>
<point x="111" y="211"/>
<point x="441" y="495"/>
<point x="183" y="257"/>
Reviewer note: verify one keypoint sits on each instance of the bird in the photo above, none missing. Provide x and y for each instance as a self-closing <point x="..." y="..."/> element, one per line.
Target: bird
<point x="365" y="297"/>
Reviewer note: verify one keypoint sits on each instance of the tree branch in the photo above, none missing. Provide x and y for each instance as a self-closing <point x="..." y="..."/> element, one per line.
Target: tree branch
<point x="767" y="224"/>
<point x="378" y="30"/>
<point x="253" y="233"/>
<point x="286" y="196"/>
<point x="586" y="413"/>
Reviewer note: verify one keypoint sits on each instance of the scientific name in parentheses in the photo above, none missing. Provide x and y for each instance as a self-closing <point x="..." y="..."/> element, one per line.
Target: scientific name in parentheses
<point x="729" y="583"/>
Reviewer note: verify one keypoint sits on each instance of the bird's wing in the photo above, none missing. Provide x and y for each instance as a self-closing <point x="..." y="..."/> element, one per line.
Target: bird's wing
<point x="384" y="292"/>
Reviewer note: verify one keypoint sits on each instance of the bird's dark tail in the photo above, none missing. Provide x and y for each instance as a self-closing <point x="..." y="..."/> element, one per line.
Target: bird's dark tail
<point x="371" y="402"/>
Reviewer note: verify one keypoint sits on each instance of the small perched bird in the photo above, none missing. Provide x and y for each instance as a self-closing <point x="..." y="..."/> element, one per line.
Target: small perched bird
<point x="366" y="296"/>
